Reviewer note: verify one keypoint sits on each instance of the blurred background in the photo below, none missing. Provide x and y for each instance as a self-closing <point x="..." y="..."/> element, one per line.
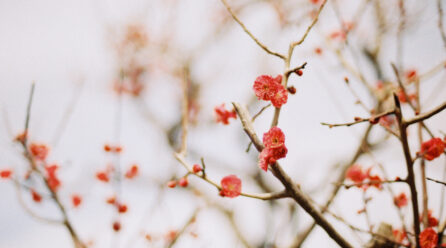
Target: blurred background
<point x="110" y="73"/>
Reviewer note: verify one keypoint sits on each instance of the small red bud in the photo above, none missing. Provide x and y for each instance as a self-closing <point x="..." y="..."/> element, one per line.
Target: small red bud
<point x="299" y="72"/>
<point x="122" y="208"/>
<point x="183" y="182"/>
<point x="358" y="118"/>
<point x="374" y="120"/>
<point x="196" y="168"/>
<point x="172" y="184"/>
<point x="116" y="226"/>
<point x="292" y="90"/>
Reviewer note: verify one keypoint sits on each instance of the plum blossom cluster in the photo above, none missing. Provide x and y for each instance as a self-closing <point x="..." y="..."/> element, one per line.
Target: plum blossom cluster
<point x="223" y="115"/>
<point x="363" y="178"/>
<point x="274" y="141"/>
<point x="428" y="238"/>
<point x="271" y="89"/>
<point x="432" y="148"/>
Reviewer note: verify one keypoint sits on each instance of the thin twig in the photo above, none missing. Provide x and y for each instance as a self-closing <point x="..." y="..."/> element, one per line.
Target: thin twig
<point x="260" y="112"/>
<point x="372" y="119"/>
<point x="28" y="114"/>
<point x="316" y="18"/>
<point x="427" y="115"/>
<point x="436" y="181"/>
<point x="249" y="32"/>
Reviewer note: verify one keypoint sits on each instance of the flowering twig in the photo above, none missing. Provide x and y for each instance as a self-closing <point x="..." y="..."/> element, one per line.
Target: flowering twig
<point x="77" y="242"/>
<point x="249" y="32"/>
<point x="295" y="69"/>
<point x="261" y="196"/>
<point x="291" y="187"/>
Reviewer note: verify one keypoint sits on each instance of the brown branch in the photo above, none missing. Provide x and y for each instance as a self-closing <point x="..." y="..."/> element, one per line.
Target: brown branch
<point x="372" y="120"/>
<point x="372" y="182"/>
<point x="409" y="164"/>
<point x="28" y="114"/>
<point x="427" y="115"/>
<point x="185" y="113"/>
<point x="260" y="112"/>
<point x="291" y="187"/>
<point x="249" y="32"/>
<point x="316" y="18"/>
<point x="295" y="69"/>
<point x="440" y="22"/>
<point x="436" y="181"/>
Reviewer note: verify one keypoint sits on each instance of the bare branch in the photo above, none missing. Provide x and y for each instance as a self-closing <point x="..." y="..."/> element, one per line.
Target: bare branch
<point x="436" y="181"/>
<point x="427" y="115"/>
<point x="249" y="32"/>
<point x="372" y="120"/>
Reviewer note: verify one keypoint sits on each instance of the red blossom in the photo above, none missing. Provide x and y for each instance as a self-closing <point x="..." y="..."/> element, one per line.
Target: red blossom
<point x="399" y="235"/>
<point x="39" y="151"/>
<point x="111" y="200"/>
<point x="432" y="221"/>
<point x="102" y="176"/>
<point x="6" y="173"/>
<point x="170" y="235"/>
<point x="223" y="114"/>
<point x="231" y="186"/>
<point x="183" y="182"/>
<point x="274" y="138"/>
<point x="432" y="148"/>
<point x="400" y="200"/>
<point x="318" y="50"/>
<point x="36" y="196"/>
<point x="356" y="174"/>
<point x="280" y="98"/>
<point x="271" y="89"/>
<point x="274" y="141"/>
<point x="402" y="97"/>
<point x="52" y="179"/>
<point x="76" y="200"/>
<point x="196" y="168"/>
<point x="265" y="86"/>
<point x="428" y="238"/>
<point x="375" y="181"/>
<point x="387" y="120"/>
<point x="132" y="172"/>
<point x="411" y="75"/>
